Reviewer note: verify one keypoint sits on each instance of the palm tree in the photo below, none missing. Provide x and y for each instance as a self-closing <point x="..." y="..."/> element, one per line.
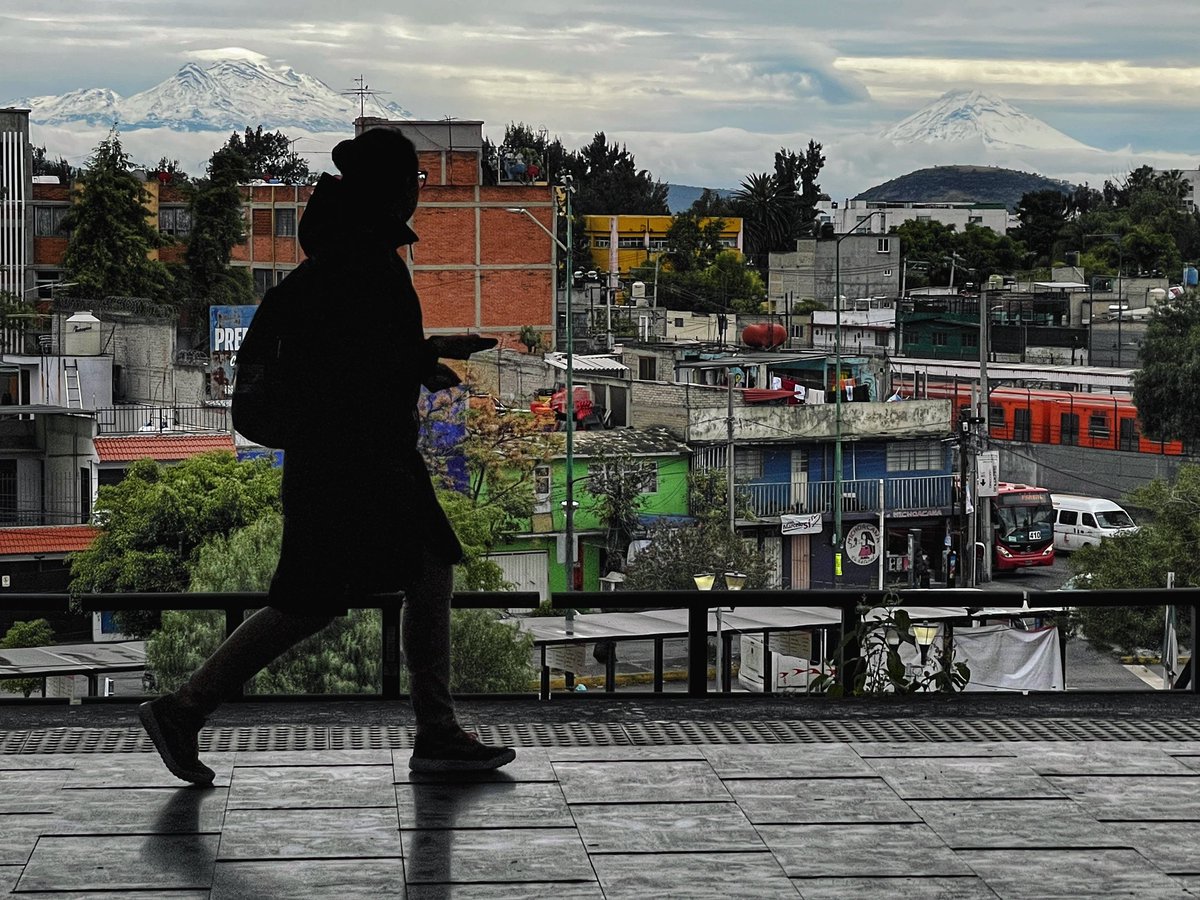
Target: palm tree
<point x="765" y="212"/>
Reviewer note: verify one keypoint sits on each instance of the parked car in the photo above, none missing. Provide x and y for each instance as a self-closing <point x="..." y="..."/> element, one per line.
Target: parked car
<point x="1079" y="521"/>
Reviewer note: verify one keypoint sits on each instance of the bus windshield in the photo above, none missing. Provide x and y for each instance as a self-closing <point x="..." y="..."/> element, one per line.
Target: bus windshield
<point x="1024" y="524"/>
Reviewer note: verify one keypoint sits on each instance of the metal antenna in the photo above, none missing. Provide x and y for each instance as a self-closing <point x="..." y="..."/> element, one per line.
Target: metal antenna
<point x="362" y="92"/>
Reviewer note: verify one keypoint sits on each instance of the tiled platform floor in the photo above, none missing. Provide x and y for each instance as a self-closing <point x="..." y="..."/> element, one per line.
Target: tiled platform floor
<point x="924" y="820"/>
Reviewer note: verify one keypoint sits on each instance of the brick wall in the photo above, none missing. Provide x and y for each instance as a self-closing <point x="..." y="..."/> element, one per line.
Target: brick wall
<point x="666" y="404"/>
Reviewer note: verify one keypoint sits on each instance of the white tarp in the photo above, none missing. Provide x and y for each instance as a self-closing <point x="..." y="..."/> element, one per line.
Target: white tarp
<point x="1002" y="658"/>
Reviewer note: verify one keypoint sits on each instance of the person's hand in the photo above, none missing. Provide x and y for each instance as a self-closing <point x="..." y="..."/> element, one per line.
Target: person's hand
<point x="458" y="346"/>
<point x="441" y="377"/>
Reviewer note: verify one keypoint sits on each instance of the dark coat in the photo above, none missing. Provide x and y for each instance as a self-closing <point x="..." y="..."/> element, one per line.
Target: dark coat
<point x="360" y="513"/>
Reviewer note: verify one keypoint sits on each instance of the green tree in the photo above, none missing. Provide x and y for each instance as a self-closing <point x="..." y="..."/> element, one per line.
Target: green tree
<point x="764" y="208"/>
<point x="608" y="182"/>
<point x="1164" y="389"/>
<point x="269" y="155"/>
<point x="158" y="517"/>
<point x="1043" y="215"/>
<point x="1166" y="542"/>
<point x="217" y="227"/>
<point x="110" y="234"/>
<point x="488" y="654"/>
<point x="43" y="164"/>
<point x="36" y="633"/>
<point x="694" y="242"/>
<point x="615" y="486"/>
<point x="713" y="205"/>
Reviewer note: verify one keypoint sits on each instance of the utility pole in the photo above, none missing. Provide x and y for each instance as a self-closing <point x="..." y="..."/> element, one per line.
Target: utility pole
<point x="729" y="451"/>
<point x="984" y="504"/>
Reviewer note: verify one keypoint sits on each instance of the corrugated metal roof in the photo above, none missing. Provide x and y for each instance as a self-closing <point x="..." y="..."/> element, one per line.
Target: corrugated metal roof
<point x="46" y="539"/>
<point x="162" y="447"/>
<point x="629" y="441"/>
<point x="581" y="363"/>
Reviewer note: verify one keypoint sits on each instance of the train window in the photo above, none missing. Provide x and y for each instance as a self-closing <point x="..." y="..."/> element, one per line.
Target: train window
<point x="1069" y="425"/>
<point x="1098" y="425"/>
<point x="995" y="416"/>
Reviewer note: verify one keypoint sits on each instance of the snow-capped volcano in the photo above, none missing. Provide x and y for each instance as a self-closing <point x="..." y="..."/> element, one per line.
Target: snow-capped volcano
<point x="227" y="94"/>
<point x="972" y="116"/>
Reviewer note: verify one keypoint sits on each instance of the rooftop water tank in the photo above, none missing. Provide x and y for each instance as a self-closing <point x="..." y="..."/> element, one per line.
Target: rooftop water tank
<point x="1190" y="276"/>
<point x="82" y="335"/>
<point x="639" y="293"/>
<point x="995" y="283"/>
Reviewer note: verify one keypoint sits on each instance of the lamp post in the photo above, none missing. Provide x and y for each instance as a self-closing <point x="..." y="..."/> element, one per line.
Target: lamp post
<point x="568" y="188"/>
<point x="837" y="384"/>
<point x="734" y="581"/>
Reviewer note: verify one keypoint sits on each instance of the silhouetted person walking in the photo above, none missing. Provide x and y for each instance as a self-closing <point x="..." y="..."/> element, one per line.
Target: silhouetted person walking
<point x="365" y="521"/>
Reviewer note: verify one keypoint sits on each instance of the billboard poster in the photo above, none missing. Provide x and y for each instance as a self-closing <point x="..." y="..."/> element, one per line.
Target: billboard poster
<point x="226" y="327"/>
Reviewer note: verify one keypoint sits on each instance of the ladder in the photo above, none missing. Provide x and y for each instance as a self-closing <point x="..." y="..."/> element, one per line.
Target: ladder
<point x="74" y="392"/>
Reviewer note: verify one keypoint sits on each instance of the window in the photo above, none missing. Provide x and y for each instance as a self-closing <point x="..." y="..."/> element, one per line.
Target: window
<point x="541" y="481"/>
<point x="1069" y="427"/>
<point x="659" y="244"/>
<point x="1089" y="521"/>
<point x="175" y="221"/>
<point x="678" y="322"/>
<point x="883" y="245"/>
<point x="8" y="491"/>
<point x="285" y="222"/>
<point x="647" y="368"/>
<point x="970" y="339"/>
<point x="974" y="220"/>
<point x="47" y="221"/>
<point x="601" y="243"/>
<point x="264" y="279"/>
<point x="915" y="456"/>
<point x="887" y="273"/>
<point x="1068" y="517"/>
<point x="940" y="339"/>
<point x="881" y="338"/>
<point x="995" y="416"/>
<point x="1098" y="426"/>
<point x="924" y="218"/>
<point x="631" y="243"/>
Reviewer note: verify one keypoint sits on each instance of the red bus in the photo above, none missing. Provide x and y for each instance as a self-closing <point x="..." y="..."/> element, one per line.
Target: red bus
<point x="1022" y="526"/>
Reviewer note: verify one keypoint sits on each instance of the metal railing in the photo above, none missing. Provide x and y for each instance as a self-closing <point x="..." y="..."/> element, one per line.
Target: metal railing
<point x="114" y="420"/>
<point x="851" y="604"/>
<point x="774" y="498"/>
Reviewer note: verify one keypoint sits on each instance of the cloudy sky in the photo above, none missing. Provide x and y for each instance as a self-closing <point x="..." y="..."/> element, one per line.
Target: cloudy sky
<point x="701" y="96"/>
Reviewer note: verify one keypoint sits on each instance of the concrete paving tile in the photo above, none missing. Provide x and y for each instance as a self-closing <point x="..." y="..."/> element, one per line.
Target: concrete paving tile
<point x="786" y="761"/>
<point x="1188" y="761"/>
<point x="648" y="781"/>
<point x="496" y="855"/>
<point x="112" y="895"/>
<point x="292" y="787"/>
<point x="1172" y="846"/>
<point x="1037" y="874"/>
<point x="963" y="887"/>
<point x="318" y="879"/>
<point x="139" y="770"/>
<point x="932" y="749"/>
<point x="1141" y="797"/>
<point x="32" y="790"/>
<point x="120" y="862"/>
<point x="697" y="876"/>
<point x="962" y="777"/>
<point x="9" y="876"/>
<point x="275" y="758"/>
<point x="531" y="764"/>
<point x="18" y="835"/>
<point x="184" y="810"/>
<point x="492" y="804"/>
<point x="1014" y="823"/>
<point x="23" y="762"/>
<point x="623" y="753"/>
<point x="520" y="890"/>
<point x="265" y="834"/>
<point x="664" y="828"/>
<point x="1095" y="758"/>
<point x="815" y="800"/>
<point x="857" y="851"/>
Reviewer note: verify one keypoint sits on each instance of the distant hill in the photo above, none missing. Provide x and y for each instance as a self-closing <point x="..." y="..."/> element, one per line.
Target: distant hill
<point x="971" y="184"/>
<point x="680" y="197"/>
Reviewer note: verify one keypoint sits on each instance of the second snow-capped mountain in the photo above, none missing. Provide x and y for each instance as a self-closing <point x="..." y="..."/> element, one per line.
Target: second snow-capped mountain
<point x="972" y="116"/>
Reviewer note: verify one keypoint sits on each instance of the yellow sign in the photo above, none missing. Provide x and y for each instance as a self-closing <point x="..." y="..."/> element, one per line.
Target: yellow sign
<point x="837" y="564"/>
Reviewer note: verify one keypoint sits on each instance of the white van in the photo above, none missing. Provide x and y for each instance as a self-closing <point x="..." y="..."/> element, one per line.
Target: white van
<point x="1087" y="520"/>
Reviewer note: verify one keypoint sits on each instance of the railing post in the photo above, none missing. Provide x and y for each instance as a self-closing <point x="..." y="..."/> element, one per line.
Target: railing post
<point x="658" y="665"/>
<point x="726" y="661"/>
<point x="697" y="649"/>
<point x="390" y="634"/>
<point x="850" y="650"/>
<point x="768" y="668"/>
<point x="544" y="693"/>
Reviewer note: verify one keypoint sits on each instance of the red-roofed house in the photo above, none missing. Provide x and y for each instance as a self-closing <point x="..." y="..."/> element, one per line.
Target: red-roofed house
<point x="116" y="453"/>
<point x="34" y="560"/>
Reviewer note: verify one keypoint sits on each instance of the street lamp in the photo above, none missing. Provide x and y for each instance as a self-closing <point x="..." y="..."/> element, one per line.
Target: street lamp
<point x="734" y="581"/>
<point x="569" y="401"/>
<point x="837" y="383"/>
<point x="925" y="636"/>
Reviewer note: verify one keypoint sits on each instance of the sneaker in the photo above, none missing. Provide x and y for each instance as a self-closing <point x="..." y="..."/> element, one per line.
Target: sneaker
<point x="175" y="732"/>
<point x="457" y="751"/>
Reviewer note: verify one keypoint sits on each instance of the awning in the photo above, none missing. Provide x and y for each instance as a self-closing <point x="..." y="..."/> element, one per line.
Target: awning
<point x="586" y="363"/>
<point x="1061" y="285"/>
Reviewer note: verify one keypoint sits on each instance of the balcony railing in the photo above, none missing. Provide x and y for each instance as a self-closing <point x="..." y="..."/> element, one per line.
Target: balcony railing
<point x="162" y="419"/>
<point x="916" y="492"/>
